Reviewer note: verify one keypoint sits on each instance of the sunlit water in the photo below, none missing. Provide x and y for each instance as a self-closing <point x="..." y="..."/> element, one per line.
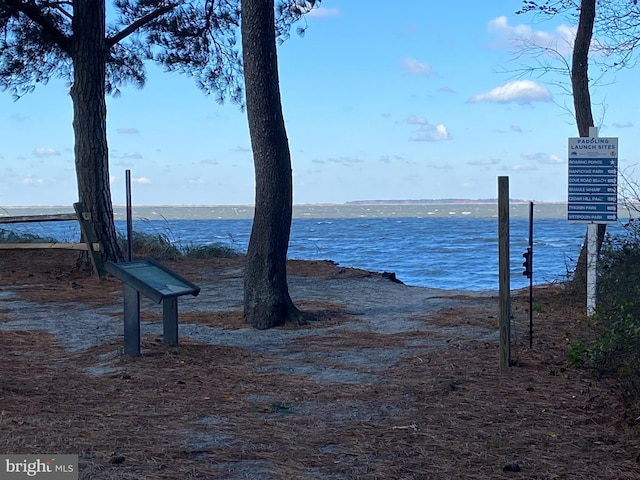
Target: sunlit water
<point x="452" y="246"/>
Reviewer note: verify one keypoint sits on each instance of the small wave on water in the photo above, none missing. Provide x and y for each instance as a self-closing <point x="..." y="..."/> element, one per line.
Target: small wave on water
<point x="423" y="245"/>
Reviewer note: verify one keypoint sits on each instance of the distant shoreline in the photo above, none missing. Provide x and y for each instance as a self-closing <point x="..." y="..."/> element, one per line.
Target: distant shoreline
<point x="345" y="204"/>
<point x="361" y="209"/>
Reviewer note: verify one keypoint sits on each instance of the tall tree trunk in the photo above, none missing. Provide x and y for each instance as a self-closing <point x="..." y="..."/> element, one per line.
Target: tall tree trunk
<point x="580" y="67"/>
<point x="583" y="111"/>
<point x="89" y="121"/>
<point x="267" y="302"/>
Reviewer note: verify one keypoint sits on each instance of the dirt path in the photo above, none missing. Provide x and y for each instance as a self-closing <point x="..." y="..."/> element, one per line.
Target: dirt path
<point x="373" y="305"/>
<point x="395" y="382"/>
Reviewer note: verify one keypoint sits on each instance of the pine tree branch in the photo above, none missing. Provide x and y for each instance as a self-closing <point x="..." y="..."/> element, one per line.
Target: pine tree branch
<point x="122" y="34"/>
<point x="59" y="6"/>
<point x="35" y="15"/>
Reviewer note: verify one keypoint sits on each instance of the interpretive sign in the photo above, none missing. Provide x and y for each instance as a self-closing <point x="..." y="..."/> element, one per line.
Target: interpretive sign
<point x="593" y="180"/>
<point x="158" y="283"/>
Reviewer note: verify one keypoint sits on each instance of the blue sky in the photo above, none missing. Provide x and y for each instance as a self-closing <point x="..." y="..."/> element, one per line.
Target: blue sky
<point x="422" y="101"/>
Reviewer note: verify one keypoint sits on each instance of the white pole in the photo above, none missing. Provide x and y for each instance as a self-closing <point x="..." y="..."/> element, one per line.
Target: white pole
<point x="592" y="264"/>
<point x="592" y="255"/>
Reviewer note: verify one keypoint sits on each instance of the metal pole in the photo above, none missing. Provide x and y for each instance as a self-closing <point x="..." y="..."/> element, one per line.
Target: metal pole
<point x="531" y="276"/>
<point x="129" y="219"/>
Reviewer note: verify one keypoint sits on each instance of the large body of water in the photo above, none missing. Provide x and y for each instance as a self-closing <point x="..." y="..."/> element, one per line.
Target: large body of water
<point x="451" y="246"/>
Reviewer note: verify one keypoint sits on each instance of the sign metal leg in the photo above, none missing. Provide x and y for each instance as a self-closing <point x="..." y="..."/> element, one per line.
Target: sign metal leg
<point x="131" y="321"/>
<point x="170" y="320"/>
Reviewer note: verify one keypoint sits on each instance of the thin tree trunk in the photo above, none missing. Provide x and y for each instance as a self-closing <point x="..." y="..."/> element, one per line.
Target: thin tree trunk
<point x="89" y="121"/>
<point x="584" y="114"/>
<point x="580" y="67"/>
<point x="267" y="302"/>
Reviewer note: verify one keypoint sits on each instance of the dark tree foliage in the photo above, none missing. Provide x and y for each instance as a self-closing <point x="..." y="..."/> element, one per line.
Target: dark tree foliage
<point x="193" y="37"/>
<point x="617" y="26"/>
<point x="41" y="39"/>
<point x="550" y="7"/>
<point x="619" y="23"/>
<point x="71" y="40"/>
<point x="198" y="38"/>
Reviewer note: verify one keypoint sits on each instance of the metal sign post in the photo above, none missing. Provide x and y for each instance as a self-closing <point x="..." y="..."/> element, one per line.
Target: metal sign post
<point x="157" y="282"/>
<point x="129" y="217"/>
<point x="528" y="272"/>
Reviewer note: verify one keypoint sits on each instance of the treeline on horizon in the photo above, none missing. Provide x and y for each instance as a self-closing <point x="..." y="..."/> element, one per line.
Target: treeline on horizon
<point x="438" y="201"/>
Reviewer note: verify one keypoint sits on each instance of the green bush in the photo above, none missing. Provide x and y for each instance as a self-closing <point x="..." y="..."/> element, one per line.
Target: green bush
<point x="211" y="250"/>
<point x="160" y="246"/>
<point x="618" y="296"/>
<point x="155" y="245"/>
<point x="616" y="349"/>
<point x="7" y="236"/>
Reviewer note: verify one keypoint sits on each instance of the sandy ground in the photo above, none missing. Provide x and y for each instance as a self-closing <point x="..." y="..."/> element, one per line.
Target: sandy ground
<point x="393" y="382"/>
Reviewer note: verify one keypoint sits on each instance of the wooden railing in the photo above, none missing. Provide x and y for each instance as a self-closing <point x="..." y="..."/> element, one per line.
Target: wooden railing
<point x="91" y="245"/>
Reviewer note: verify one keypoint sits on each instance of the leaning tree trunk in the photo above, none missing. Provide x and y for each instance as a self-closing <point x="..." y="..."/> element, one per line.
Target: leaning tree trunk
<point x="266" y="295"/>
<point x="89" y="121"/>
<point x="583" y="111"/>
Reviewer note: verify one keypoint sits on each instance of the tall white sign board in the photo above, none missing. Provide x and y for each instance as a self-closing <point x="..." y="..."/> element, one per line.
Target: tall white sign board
<point x="593" y="194"/>
<point x="593" y="180"/>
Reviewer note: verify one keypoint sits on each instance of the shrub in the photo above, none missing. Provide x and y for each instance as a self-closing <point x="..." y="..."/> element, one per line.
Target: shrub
<point x="156" y="245"/>
<point x="616" y="349"/>
<point x="160" y="246"/>
<point x="211" y="250"/>
<point x="8" y="236"/>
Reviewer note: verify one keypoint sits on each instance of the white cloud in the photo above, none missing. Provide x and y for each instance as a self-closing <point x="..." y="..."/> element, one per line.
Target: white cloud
<point x="127" y="155"/>
<point x="127" y="131"/>
<point x="446" y="90"/>
<point x="543" y="158"/>
<point x="322" y="12"/>
<point x="45" y="152"/>
<point x="345" y="160"/>
<point x="485" y="162"/>
<point x="16" y="117"/>
<point x="415" y="67"/>
<point x="427" y="132"/>
<point x="520" y="91"/>
<point x="533" y="156"/>
<point x="518" y="36"/>
<point x="417" y="120"/>
<point x="141" y="180"/>
<point x="622" y="125"/>
<point x="195" y="180"/>
<point x="31" y="180"/>
<point x="390" y="158"/>
<point x="553" y="160"/>
<point x="431" y="133"/>
<point x="524" y="167"/>
<point x="241" y="149"/>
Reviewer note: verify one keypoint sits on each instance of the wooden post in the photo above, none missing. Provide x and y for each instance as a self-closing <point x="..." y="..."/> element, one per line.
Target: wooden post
<point x="90" y="238"/>
<point x="504" y="272"/>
